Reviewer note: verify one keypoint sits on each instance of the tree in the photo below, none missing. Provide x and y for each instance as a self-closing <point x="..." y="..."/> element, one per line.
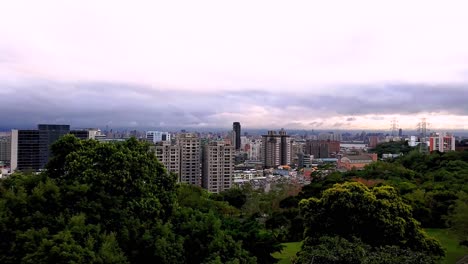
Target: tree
<point x="378" y="217"/>
<point x="458" y="218"/>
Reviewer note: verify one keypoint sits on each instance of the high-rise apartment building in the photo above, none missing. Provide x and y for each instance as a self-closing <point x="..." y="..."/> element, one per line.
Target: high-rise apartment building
<point x="5" y="148"/>
<point x="276" y="149"/>
<point x="442" y="142"/>
<point x="218" y="166"/>
<point x="30" y="149"/>
<point x="255" y="150"/>
<point x="158" y="136"/>
<point x="190" y="158"/>
<point x="373" y="141"/>
<point x="236" y="128"/>
<point x="169" y="155"/>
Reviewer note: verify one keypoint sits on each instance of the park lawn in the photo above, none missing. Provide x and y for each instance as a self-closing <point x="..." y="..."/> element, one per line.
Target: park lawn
<point x="449" y="241"/>
<point x="289" y="251"/>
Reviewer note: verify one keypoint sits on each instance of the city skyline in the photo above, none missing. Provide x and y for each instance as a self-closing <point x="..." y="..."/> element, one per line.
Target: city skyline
<point x="308" y="65"/>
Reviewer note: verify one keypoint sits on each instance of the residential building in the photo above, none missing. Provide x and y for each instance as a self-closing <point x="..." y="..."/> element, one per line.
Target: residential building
<point x="218" y="166"/>
<point x="255" y="150"/>
<point x="236" y="128"/>
<point x="190" y="158"/>
<point x="276" y="149"/>
<point x="158" y="136"/>
<point x="442" y="142"/>
<point x="169" y="155"/>
<point x="330" y="136"/>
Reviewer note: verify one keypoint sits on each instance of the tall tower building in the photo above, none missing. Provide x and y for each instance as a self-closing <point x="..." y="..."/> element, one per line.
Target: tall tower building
<point x="236" y="127"/>
<point x="276" y="149"/>
<point x="48" y="134"/>
<point x="30" y="149"/>
<point x="190" y="158"/>
<point x="218" y="166"/>
<point x="169" y="155"/>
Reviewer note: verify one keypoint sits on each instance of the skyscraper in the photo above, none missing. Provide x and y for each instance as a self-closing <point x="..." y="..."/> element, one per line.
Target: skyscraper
<point x="218" y="166"/>
<point x="48" y="134"/>
<point x="236" y="127"/>
<point x="190" y="158"/>
<point x="30" y="149"/>
<point x="276" y="149"/>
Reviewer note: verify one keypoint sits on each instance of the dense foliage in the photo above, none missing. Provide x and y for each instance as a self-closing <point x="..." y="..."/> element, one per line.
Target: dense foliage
<point x="115" y="203"/>
<point x="353" y="218"/>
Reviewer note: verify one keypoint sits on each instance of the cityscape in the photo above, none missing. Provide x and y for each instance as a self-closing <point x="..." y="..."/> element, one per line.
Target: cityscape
<point x="233" y="132"/>
<point x="218" y="161"/>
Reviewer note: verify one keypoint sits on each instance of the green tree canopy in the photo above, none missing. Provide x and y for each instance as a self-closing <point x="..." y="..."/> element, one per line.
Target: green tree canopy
<point x="378" y="217"/>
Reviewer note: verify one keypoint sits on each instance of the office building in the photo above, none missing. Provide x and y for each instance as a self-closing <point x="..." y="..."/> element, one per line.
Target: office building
<point x="236" y="128"/>
<point x="190" y="158"/>
<point x="218" y="166"/>
<point x="169" y="155"/>
<point x="5" y="148"/>
<point x="276" y="149"/>
<point x="442" y="142"/>
<point x="48" y="134"/>
<point x="158" y="136"/>
<point x="30" y="149"/>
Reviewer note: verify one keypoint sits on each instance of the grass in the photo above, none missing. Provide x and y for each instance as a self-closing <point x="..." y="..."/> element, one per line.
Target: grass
<point x="289" y="251"/>
<point x="453" y="251"/>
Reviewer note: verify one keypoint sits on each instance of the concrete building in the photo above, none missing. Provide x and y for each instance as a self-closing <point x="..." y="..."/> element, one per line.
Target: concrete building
<point x="169" y="155"/>
<point x="276" y="149"/>
<point x="322" y="148"/>
<point x="87" y="133"/>
<point x="373" y="141"/>
<point x="158" y="136"/>
<point x="218" y="166"/>
<point x="236" y="128"/>
<point x="330" y="136"/>
<point x="255" y="150"/>
<point x="442" y="142"/>
<point x="5" y="148"/>
<point x="190" y="158"/>
<point x="30" y="149"/>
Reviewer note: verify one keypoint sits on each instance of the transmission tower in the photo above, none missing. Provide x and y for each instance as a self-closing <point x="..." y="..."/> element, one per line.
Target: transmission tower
<point x="394" y="127"/>
<point x="423" y="128"/>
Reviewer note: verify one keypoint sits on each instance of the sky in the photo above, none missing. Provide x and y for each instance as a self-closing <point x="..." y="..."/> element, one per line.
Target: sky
<point x="267" y="64"/>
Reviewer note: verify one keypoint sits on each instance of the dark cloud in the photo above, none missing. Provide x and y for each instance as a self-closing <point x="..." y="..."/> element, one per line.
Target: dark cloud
<point x="127" y="105"/>
<point x="392" y="99"/>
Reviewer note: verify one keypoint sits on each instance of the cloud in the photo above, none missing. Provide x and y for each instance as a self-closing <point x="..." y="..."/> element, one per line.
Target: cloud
<point x="92" y="104"/>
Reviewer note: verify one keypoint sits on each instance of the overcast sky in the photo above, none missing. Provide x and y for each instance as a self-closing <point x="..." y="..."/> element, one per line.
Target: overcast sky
<point x="268" y="64"/>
